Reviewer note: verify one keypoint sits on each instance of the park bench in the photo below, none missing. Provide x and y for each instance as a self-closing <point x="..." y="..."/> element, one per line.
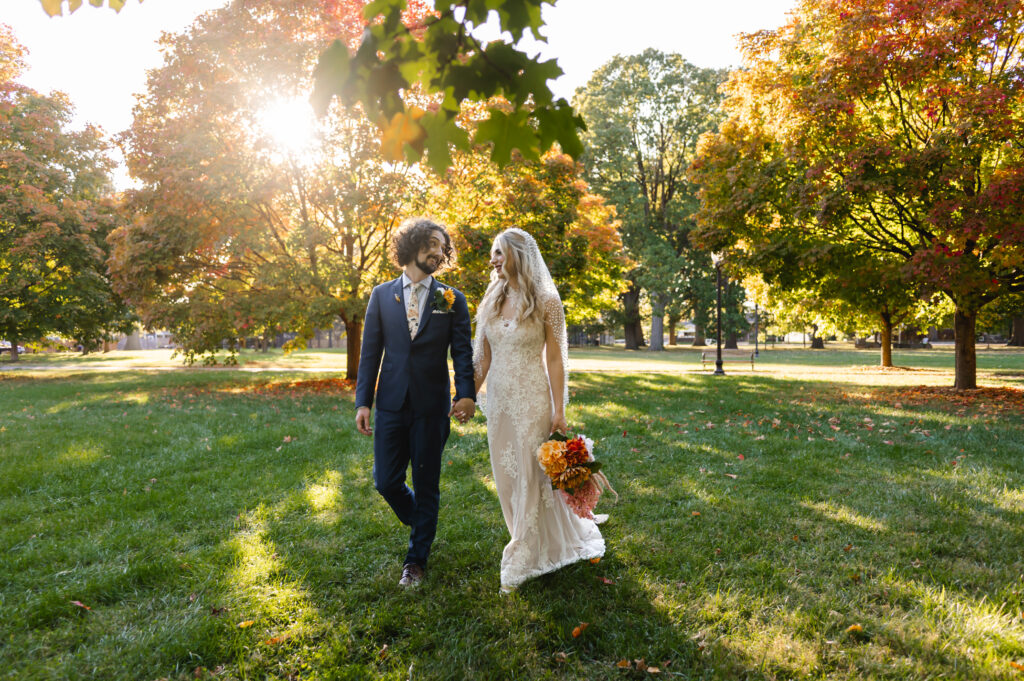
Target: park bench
<point x="728" y="356"/>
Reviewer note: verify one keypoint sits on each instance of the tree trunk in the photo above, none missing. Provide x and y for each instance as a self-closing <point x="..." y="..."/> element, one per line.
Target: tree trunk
<point x="658" y="322"/>
<point x="699" y="341"/>
<point x="731" y="341"/>
<point x="354" y="340"/>
<point x="1017" y="332"/>
<point x="14" y="350"/>
<point x="886" y="341"/>
<point x="966" y="357"/>
<point x="631" y="307"/>
<point x="672" y="332"/>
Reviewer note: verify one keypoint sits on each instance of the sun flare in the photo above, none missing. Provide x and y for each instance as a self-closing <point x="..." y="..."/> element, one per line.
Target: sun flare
<point x="290" y="125"/>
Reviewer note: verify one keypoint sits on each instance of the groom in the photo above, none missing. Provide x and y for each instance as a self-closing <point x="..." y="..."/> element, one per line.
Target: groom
<point x="412" y="322"/>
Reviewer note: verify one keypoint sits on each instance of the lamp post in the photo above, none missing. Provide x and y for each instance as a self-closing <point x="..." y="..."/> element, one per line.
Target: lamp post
<point x="756" y="319"/>
<point x="716" y="258"/>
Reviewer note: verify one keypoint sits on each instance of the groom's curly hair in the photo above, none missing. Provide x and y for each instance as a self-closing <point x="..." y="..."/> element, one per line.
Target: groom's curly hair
<point x="412" y="235"/>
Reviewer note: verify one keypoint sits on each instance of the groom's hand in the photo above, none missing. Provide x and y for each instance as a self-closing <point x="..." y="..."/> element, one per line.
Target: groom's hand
<point x="363" y="421"/>
<point x="463" y="410"/>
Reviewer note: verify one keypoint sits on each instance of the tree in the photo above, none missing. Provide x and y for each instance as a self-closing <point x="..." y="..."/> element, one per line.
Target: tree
<point x="891" y="125"/>
<point x="55" y="214"/>
<point x="575" y="229"/>
<point x="253" y="219"/>
<point x="645" y="114"/>
<point x="439" y="55"/>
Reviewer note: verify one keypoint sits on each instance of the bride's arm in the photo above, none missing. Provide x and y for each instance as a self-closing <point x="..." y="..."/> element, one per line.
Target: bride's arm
<point x="482" y="365"/>
<point x="556" y="376"/>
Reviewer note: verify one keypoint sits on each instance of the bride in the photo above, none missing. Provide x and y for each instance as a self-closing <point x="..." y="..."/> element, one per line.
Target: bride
<point x="521" y="350"/>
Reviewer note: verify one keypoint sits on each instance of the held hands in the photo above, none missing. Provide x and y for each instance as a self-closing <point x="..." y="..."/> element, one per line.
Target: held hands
<point x="463" y="410"/>
<point x="363" y="421"/>
<point x="558" y="423"/>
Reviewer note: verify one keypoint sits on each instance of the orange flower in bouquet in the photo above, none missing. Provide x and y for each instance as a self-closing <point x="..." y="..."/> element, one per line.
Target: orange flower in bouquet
<point x="570" y="464"/>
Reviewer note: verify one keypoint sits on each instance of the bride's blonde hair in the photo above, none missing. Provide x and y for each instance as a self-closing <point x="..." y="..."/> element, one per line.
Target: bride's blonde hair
<point x="518" y="270"/>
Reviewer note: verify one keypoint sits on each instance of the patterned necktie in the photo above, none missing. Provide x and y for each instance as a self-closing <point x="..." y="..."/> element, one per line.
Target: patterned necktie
<point x="413" y="309"/>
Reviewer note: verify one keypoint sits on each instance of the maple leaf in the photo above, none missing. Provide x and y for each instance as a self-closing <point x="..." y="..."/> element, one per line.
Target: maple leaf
<point x="623" y="664"/>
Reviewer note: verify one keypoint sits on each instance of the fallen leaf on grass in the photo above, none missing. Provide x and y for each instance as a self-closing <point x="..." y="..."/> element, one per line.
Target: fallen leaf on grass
<point x="382" y="653"/>
<point x="580" y="629"/>
<point x="81" y="605"/>
<point x="740" y="457"/>
<point x="605" y="580"/>
<point x="730" y="475"/>
<point x="560" y="657"/>
<point x="695" y="514"/>
<point x="1017" y="666"/>
<point x="246" y="623"/>
<point x="273" y="641"/>
<point x="595" y="561"/>
<point x="848" y="547"/>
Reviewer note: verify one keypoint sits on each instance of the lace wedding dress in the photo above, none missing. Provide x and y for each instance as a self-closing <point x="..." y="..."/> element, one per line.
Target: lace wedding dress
<point x="546" y="534"/>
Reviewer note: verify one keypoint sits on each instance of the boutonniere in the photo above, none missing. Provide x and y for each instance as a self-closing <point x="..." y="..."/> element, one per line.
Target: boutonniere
<point x="443" y="300"/>
<point x="397" y="299"/>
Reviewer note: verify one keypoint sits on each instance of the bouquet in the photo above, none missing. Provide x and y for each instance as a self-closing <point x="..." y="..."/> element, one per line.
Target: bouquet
<point x="569" y="463"/>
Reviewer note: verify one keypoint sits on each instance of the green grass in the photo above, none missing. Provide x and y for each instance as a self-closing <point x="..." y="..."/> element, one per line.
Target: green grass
<point x="177" y="505"/>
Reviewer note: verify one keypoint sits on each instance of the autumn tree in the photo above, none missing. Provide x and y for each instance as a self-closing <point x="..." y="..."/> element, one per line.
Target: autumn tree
<point x="576" y="231"/>
<point x="889" y="125"/>
<point x="55" y="213"/>
<point x="253" y="217"/>
<point x="645" y="114"/>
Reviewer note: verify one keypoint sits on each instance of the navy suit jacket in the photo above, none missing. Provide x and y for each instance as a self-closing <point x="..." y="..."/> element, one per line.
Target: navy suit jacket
<point x="414" y="368"/>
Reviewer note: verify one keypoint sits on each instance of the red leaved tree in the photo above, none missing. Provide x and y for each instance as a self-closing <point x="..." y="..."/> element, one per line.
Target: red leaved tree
<point x="253" y="216"/>
<point x="888" y="125"/>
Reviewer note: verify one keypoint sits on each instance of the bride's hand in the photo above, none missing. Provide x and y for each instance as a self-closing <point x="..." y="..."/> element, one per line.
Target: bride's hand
<point x="558" y="423"/>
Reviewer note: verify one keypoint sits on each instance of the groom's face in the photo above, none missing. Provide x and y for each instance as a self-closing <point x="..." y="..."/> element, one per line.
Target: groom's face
<point x="429" y="257"/>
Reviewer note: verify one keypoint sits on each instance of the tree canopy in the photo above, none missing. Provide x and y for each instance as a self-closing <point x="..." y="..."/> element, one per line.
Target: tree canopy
<point x="55" y="214"/>
<point x="253" y="217"/>
<point x="893" y="126"/>
<point x="645" y="114"/>
<point x="405" y="51"/>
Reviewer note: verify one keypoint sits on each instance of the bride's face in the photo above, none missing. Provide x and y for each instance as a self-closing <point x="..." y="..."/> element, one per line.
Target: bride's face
<point x="498" y="261"/>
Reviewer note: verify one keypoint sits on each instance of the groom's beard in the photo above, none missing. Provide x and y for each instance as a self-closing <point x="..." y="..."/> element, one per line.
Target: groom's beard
<point x="428" y="266"/>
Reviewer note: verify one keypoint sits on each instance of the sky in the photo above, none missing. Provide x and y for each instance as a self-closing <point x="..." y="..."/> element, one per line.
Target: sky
<point x="100" y="58"/>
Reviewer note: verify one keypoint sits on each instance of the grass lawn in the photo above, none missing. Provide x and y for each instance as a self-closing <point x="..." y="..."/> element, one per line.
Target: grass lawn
<point x="815" y="518"/>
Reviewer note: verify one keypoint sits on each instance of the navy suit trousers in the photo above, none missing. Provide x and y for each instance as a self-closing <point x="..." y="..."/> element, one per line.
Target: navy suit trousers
<point x="400" y="438"/>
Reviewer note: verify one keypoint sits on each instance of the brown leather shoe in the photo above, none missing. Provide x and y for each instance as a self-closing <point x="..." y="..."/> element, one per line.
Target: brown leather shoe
<point x="412" y="575"/>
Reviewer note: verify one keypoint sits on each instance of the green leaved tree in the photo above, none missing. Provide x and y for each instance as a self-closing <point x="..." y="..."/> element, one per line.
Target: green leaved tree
<point x="644" y="115"/>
